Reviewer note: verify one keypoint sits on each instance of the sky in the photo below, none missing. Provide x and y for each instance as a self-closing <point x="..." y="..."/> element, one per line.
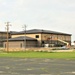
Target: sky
<point x="55" y="15"/>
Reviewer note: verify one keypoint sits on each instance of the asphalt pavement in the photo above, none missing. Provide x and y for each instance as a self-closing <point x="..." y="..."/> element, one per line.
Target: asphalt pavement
<point x="36" y="66"/>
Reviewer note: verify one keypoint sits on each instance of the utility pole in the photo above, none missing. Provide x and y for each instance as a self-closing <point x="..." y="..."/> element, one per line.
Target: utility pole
<point x="25" y="36"/>
<point x="7" y="28"/>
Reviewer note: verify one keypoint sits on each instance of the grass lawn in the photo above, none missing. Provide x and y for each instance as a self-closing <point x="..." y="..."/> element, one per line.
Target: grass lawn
<point x="52" y="55"/>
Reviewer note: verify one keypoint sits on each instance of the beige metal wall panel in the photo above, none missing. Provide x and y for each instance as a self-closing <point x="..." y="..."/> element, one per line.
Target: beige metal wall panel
<point x="17" y="35"/>
<point x="20" y="44"/>
<point x="44" y="37"/>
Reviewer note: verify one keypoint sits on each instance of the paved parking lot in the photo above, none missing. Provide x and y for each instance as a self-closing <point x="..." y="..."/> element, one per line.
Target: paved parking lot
<point x="36" y="66"/>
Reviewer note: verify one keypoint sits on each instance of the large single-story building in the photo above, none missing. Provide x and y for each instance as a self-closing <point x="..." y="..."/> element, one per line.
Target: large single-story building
<point x="21" y="42"/>
<point x="39" y="37"/>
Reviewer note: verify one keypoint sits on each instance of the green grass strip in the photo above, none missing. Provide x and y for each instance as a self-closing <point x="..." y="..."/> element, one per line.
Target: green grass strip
<point x="52" y="55"/>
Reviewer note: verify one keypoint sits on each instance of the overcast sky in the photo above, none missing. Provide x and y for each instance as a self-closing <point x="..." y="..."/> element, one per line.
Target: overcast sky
<point x="56" y="15"/>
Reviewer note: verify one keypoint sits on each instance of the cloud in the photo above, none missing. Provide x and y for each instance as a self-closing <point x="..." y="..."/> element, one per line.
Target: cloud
<point x="45" y="14"/>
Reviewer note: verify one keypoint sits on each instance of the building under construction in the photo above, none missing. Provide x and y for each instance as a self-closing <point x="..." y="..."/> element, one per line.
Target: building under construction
<point x="38" y="38"/>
